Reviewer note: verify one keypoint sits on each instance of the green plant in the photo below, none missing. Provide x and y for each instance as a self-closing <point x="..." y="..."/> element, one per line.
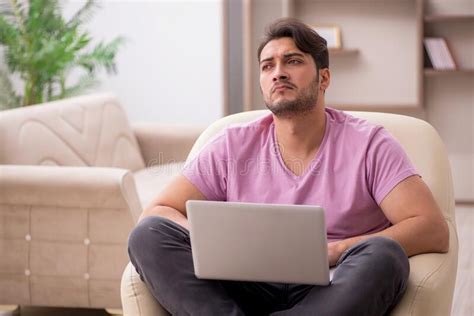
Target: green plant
<point x="43" y="48"/>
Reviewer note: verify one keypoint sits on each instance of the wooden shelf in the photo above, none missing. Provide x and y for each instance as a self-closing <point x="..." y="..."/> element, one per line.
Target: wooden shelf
<point x="448" y="17"/>
<point x="436" y="72"/>
<point x="343" y="51"/>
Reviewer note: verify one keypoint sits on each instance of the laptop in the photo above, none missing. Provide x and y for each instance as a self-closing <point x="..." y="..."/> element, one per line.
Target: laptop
<point x="258" y="242"/>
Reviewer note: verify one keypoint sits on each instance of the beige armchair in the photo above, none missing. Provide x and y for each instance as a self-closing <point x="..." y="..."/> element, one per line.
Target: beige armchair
<point x="432" y="276"/>
<point x="74" y="177"/>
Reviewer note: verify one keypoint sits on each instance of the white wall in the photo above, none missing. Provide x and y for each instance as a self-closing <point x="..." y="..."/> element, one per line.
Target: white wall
<point x="170" y="69"/>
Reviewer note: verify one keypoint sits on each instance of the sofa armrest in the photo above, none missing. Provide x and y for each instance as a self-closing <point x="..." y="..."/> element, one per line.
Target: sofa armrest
<point x="165" y="143"/>
<point x="83" y="187"/>
<point x="64" y="236"/>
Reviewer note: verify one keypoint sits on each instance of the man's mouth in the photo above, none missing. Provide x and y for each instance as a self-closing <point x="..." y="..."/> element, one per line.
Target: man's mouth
<point x="281" y="87"/>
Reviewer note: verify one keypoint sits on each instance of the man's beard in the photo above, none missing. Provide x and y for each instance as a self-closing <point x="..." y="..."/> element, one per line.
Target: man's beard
<point x="304" y="102"/>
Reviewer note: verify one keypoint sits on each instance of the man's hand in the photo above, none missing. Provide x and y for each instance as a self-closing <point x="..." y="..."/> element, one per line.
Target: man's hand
<point x="335" y="250"/>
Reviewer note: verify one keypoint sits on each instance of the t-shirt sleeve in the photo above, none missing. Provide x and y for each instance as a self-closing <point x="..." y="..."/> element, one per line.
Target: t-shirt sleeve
<point x="387" y="164"/>
<point x="208" y="169"/>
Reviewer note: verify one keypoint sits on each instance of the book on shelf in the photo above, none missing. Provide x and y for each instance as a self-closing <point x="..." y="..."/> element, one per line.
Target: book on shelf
<point x="438" y="54"/>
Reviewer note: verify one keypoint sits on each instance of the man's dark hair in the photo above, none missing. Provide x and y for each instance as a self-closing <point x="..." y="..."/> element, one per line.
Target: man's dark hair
<point x="306" y="39"/>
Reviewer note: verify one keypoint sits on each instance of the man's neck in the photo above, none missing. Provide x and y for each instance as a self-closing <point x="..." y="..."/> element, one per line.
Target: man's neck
<point x="300" y="136"/>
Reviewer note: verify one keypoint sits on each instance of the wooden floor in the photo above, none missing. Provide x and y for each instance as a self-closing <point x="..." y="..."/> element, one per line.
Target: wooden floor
<point x="463" y="304"/>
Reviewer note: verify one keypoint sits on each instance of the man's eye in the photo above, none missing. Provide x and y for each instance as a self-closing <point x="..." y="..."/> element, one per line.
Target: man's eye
<point x="294" y="61"/>
<point x="266" y="67"/>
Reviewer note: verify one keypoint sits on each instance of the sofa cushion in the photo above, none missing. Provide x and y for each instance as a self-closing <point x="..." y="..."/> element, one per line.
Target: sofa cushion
<point x="150" y="181"/>
<point x="83" y="131"/>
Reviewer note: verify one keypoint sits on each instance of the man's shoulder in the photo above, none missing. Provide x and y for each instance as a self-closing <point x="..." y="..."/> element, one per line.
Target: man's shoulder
<point x="256" y="127"/>
<point x="351" y="127"/>
<point x="238" y="136"/>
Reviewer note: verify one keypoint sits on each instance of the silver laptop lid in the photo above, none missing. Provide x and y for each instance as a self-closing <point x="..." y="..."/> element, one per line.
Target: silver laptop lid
<point x="258" y="242"/>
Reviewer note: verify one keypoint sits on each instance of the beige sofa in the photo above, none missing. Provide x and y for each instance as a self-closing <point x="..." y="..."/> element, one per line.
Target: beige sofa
<point x="432" y="276"/>
<point x="74" y="177"/>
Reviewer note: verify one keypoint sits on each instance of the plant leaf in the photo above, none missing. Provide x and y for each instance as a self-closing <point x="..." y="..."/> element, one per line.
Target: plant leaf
<point x="84" y="14"/>
<point x="8" y="31"/>
<point x="84" y="83"/>
<point x="102" y="56"/>
<point x="8" y="98"/>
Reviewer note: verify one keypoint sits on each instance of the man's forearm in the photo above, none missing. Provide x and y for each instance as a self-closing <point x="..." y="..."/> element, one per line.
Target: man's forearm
<point x="416" y="235"/>
<point x="166" y="212"/>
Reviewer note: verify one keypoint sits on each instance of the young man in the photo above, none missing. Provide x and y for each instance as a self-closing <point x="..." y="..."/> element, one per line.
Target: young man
<point x="378" y="210"/>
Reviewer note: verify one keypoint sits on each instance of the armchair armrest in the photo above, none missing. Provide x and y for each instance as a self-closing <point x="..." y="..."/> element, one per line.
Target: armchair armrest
<point x="84" y="187"/>
<point x="136" y="298"/>
<point x="165" y="143"/>
<point x="431" y="282"/>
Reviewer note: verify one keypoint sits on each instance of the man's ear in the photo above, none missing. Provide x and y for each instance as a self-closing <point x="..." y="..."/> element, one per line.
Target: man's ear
<point x="325" y="75"/>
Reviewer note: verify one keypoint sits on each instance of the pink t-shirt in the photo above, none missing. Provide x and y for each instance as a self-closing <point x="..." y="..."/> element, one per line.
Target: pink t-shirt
<point x="357" y="165"/>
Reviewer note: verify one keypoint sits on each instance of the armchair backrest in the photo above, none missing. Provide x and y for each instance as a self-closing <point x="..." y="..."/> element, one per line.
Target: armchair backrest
<point x="419" y="139"/>
<point x="83" y="131"/>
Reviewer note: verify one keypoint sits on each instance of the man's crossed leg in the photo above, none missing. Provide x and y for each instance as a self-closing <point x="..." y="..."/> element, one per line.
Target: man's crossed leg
<point x="370" y="279"/>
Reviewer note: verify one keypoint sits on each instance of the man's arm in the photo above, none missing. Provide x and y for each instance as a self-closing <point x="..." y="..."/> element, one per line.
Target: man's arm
<point x="171" y="202"/>
<point x="418" y="224"/>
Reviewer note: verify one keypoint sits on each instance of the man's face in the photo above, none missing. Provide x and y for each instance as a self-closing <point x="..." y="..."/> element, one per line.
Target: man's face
<point x="288" y="78"/>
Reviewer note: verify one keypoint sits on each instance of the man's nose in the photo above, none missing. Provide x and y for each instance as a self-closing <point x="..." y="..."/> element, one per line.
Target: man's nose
<point x="280" y="74"/>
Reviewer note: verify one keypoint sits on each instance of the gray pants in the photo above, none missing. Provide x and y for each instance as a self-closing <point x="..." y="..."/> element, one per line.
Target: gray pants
<point x="370" y="279"/>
